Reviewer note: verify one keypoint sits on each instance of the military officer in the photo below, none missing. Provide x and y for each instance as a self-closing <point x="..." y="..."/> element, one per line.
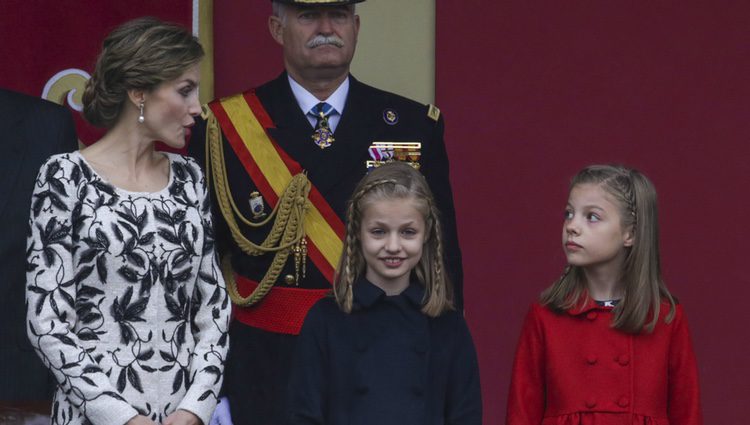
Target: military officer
<point x="283" y="159"/>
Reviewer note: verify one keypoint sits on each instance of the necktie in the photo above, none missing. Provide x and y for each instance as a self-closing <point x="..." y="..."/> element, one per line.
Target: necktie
<point x="323" y="135"/>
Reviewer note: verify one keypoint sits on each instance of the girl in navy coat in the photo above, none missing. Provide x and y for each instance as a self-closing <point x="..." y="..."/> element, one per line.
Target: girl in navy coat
<point x="389" y="348"/>
<point x="607" y="344"/>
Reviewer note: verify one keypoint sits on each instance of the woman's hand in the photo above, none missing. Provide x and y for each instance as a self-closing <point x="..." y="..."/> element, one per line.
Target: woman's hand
<point x="182" y="417"/>
<point x="140" y="420"/>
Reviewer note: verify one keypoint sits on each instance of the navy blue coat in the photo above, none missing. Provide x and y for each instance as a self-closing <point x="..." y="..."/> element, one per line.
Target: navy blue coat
<point x="385" y="363"/>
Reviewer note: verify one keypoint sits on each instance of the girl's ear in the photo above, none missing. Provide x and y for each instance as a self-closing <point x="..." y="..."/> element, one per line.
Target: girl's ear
<point x="628" y="237"/>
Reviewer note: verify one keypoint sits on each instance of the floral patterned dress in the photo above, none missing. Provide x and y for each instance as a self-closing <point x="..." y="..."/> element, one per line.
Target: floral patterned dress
<point x="126" y="304"/>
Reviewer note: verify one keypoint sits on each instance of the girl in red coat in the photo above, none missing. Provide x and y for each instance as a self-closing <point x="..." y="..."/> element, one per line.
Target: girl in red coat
<point x="607" y="344"/>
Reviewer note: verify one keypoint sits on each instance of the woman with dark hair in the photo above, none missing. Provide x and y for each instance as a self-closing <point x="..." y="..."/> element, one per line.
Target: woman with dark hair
<point x="126" y="304"/>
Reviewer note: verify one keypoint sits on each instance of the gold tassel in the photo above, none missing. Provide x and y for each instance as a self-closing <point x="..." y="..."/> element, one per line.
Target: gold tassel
<point x="287" y="232"/>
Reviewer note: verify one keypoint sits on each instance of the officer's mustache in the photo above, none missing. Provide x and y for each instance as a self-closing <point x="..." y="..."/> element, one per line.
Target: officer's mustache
<point x="321" y="40"/>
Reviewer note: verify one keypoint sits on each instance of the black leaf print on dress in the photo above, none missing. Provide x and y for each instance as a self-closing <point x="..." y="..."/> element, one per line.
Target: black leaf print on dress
<point x="163" y="216"/>
<point x="177" y="190"/>
<point x="91" y="245"/>
<point x="121" y="380"/>
<point x="104" y="187"/>
<point x="190" y="172"/>
<point x="68" y="299"/>
<point x="181" y="379"/>
<point x="53" y="233"/>
<point x="128" y="215"/>
<point x="82" y="274"/>
<point x="134" y="378"/>
<point x="64" y="339"/>
<point x="213" y="370"/>
<point x="75" y="175"/>
<point x="58" y="187"/>
<point x="205" y="395"/>
<point x="180" y="259"/>
<point x="101" y="268"/>
<point x="169" y="236"/>
<point x="129" y="274"/>
<point x="177" y="382"/>
<point x="179" y="171"/>
<point x="118" y="233"/>
<point x="38" y="203"/>
<point x="78" y="218"/>
<point x="89" y="292"/>
<point x="56" y="201"/>
<point x="52" y="169"/>
<point x="146" y="238"/>
<point x="146" y="355"/>
<point x="124" y="313"/>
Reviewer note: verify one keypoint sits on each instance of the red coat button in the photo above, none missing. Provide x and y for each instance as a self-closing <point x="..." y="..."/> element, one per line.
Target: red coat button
<point x="591" y="360"/>
<point x="623" y="402"/>
<point x="591" y="315"/>
<point x="623" y="360"/>
<point x="590" y="404"/>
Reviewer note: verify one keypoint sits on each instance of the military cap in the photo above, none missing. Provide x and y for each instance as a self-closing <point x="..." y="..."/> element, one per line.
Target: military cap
<point x="318" y="2"/>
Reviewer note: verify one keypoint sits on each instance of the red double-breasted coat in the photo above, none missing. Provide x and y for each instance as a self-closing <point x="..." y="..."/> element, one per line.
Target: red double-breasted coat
<point x="574" y="368"/>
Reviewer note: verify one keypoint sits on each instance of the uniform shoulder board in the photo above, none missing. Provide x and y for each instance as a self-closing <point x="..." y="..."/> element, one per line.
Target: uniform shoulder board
<point x="205" y="111"/>
<point x="433" y="112"/>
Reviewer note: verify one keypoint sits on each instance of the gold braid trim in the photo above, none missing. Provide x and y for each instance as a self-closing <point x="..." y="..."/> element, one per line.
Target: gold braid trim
<point x="287" y="232"/>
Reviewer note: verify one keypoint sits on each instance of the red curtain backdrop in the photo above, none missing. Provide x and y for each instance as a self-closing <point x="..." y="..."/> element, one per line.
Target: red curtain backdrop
<point x="42" y="38"/>
<point x="661" y="86"/>
<point x="245" y="55"/>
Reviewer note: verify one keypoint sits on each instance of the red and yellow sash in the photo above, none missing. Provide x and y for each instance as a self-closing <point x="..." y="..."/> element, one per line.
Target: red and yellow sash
<point x="245" y="122"/>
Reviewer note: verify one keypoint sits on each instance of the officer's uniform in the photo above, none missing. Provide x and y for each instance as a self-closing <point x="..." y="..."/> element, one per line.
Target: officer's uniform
<point x="261" y="346"/>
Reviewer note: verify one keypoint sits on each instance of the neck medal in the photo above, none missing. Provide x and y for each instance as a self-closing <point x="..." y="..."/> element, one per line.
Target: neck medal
<point x="323" y="136"/>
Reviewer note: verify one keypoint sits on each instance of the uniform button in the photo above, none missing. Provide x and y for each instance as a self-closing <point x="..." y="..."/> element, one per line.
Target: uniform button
<point x="289" y="279"/>
<point x="418" y="391"/>
<point x="591" y="315"/>
<point x="590" y="404"/>
<point x="623" y="360"/>
<point x="591" y="360"/>
<point x="361" y="389"/>
<point x="420" y="349"/>
<point x="623" y="402"/>
<point x="361" y="346"/>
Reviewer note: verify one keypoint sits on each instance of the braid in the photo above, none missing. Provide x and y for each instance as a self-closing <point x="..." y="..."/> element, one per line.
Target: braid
<point x="348" y="264"/>
<point x="632" y="205"/>
<point x="438" y="248"/>
<point x="368" y="187"/>
<point x="350" y="268"/>
<point x="627" y="188"/>
<point x="439" y="290"/>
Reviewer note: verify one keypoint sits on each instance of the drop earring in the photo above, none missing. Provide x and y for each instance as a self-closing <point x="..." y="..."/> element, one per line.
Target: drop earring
<point x="141" y="118"/>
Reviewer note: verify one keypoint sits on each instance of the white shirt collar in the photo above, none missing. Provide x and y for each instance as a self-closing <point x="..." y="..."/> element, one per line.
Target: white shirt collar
<point x="307" y="101"/>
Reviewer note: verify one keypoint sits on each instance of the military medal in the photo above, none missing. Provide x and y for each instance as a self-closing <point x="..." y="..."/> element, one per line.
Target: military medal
<point x="323" y="135"/>
<point x="384" y="152"/>
<point x="256" y="205"/>
<point x="390" y="116"/>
